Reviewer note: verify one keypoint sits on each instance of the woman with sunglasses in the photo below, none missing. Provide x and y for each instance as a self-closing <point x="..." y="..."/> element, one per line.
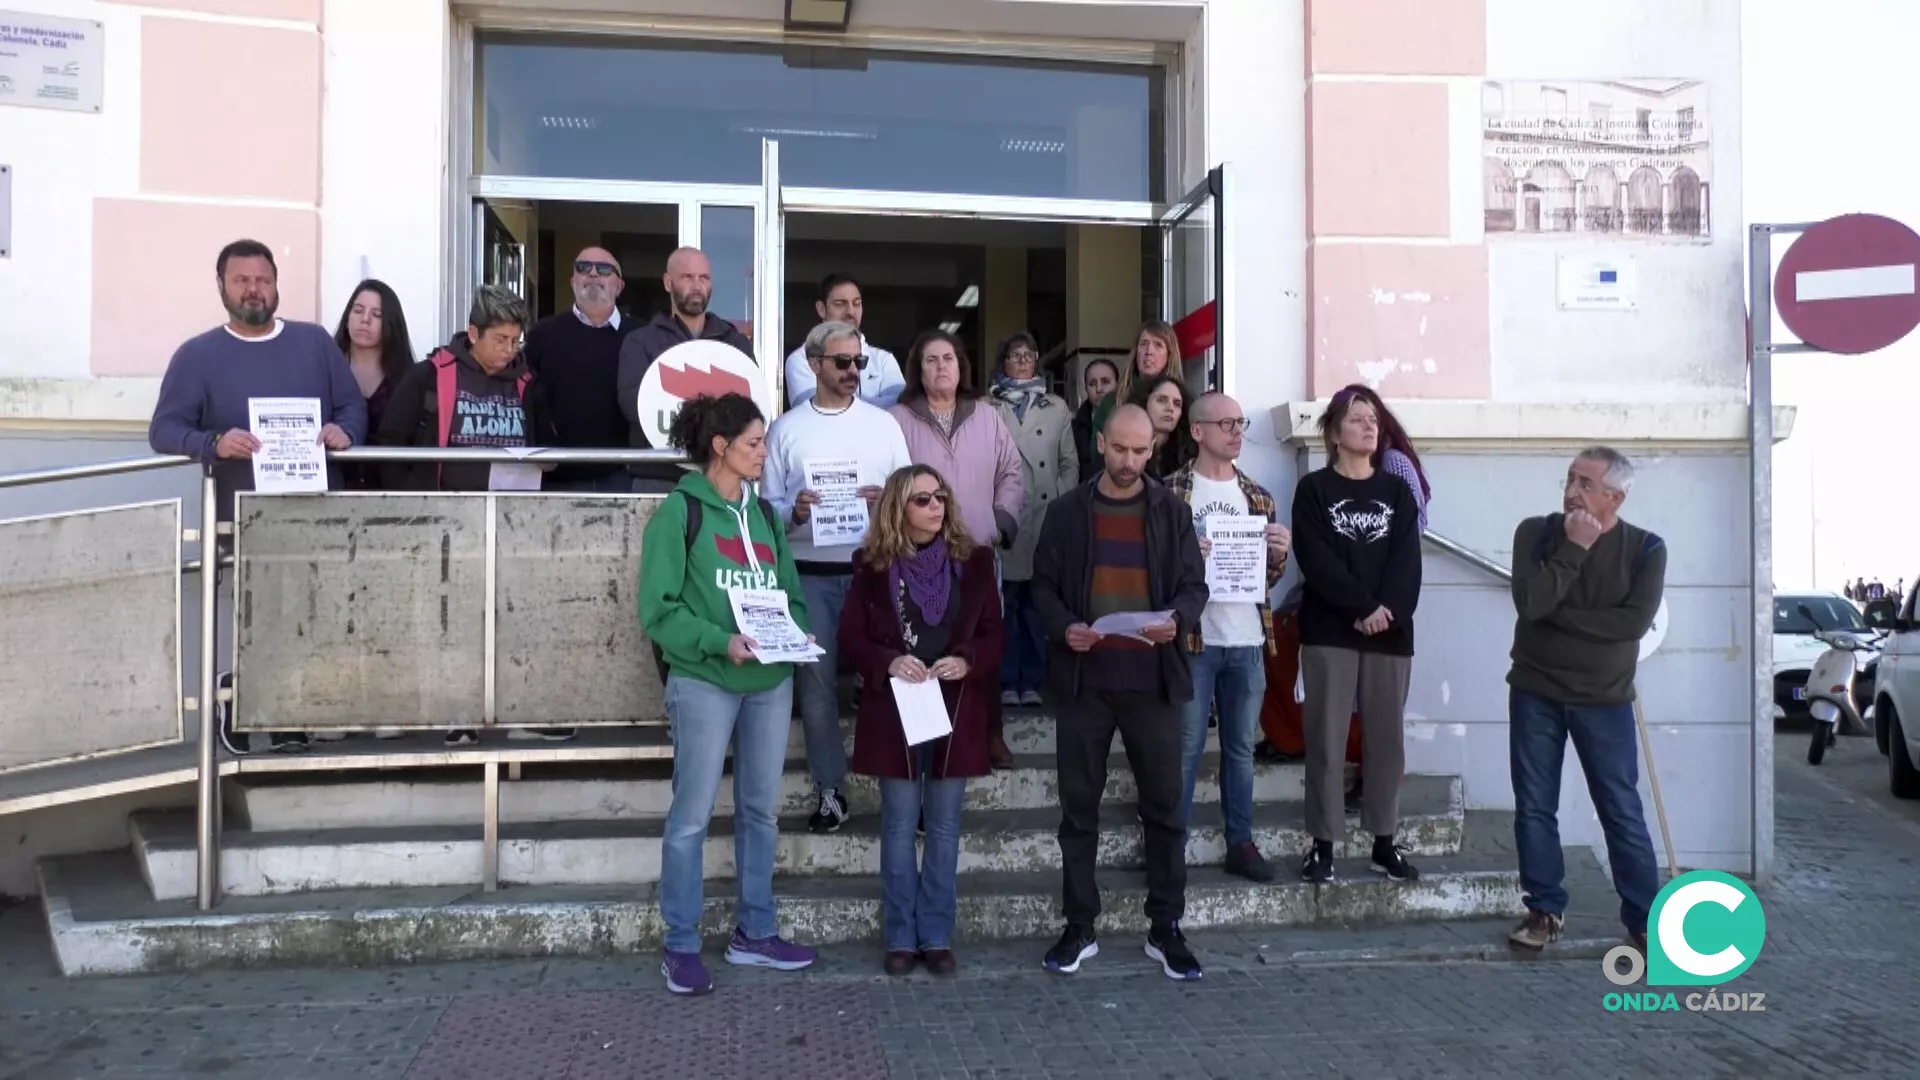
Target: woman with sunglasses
<point x="923" y="606"/>
<point x="1042" y="427"/>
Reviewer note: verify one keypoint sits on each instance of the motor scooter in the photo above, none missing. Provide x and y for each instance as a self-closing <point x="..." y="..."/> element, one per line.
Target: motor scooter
<point x="1830" y="690"/>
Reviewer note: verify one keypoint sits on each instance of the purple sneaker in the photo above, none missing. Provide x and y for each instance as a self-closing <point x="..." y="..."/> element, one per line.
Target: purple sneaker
<point x="686" y="974"/>
<point x="769" y="952"/>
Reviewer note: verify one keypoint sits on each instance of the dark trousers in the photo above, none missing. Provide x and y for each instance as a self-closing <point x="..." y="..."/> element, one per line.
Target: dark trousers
<point x="1149" y="729"/>
<point x="1025" y="666"/>
<point x="1605" y="741"/>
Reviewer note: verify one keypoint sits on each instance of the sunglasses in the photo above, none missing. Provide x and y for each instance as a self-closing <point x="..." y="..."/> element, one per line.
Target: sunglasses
<point x="596" y="269"/>
<point x="924" y="499"/>
<point x="844" y="361"/>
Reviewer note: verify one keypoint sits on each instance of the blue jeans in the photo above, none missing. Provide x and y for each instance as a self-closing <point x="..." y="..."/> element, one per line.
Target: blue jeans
<point x="706" y="719"/>
<point x="1604" y="739"/>
<point x="1025" y="666"/>
<point x="819" y="681"/>
<point x="920" y="899"/>
<point x="1237" y="678"/>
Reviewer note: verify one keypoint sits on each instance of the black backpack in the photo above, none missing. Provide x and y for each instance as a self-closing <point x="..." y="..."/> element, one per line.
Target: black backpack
<point x="695" y="515"/>
<point x="1543" y="544"/>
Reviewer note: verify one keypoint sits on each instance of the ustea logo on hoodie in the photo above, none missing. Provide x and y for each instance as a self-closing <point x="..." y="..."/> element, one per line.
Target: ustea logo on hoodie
<point x="757" y="570"/>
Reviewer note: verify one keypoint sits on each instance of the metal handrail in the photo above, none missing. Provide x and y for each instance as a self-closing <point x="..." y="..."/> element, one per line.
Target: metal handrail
<point x="1468" y="555"/>
<point x="102" y="468"/>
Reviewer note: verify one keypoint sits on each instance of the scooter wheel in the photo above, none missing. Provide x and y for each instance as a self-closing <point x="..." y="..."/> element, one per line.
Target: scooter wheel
<point x="1822" y="738"/>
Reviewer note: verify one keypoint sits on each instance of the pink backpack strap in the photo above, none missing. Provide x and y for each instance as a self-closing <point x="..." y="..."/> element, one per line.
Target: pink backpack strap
<point x="444" y="376"/>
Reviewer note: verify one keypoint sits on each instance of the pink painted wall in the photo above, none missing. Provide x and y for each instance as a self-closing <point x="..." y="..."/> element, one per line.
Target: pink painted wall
<point x="1394" y="303"/>
<point x="229" y="110"/>
<point x="307" y="11"/>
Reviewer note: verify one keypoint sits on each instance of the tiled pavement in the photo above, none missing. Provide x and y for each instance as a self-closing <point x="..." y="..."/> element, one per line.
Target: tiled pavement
<point x="1839" y="973"/>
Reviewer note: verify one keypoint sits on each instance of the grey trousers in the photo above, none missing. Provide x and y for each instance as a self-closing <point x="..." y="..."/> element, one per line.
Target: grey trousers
<point x="1334" y="677"/>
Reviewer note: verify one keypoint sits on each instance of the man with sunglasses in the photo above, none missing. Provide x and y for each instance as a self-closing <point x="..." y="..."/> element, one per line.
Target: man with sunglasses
<point x="1232" y="642"/>
<point x="575" y="359"/>
<point x="881" y="380"/>
<point x="832" y="424"/>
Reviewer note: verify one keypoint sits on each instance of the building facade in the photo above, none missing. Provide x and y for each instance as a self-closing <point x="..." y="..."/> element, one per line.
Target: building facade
<point x="1520" y="222"/>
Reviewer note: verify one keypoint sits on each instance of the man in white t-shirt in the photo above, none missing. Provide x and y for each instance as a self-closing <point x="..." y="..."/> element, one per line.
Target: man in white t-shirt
<point x="880" y="377"/>
<point x="832" y="428"/>
<point x="1234" y="640"/>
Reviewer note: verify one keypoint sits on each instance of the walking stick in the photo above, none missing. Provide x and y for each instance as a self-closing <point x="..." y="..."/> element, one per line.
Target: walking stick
<point x="1653" y="778"/>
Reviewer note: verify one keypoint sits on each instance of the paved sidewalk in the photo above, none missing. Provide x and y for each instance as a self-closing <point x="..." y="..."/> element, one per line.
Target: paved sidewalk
<point x="1839" y="972"/>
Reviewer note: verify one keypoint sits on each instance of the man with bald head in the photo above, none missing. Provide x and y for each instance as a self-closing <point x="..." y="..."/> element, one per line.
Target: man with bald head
<point x="575" y="358"/>
<point x="689" y="285"/>
<point x="1121" y="545"/>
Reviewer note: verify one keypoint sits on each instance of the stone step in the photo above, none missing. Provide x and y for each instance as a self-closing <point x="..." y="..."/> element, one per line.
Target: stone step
<point x="629" y="791"/>
<point x="104" y="922"/>
<point x="629" y="852"/>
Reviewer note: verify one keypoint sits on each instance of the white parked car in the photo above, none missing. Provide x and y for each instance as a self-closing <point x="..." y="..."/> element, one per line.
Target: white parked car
<point x="1796" y="617"/>
<point x="1896" y="704"/>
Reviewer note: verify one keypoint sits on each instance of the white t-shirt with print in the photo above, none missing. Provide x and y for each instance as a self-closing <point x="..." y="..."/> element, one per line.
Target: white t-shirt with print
<point x="1226" y="625"/>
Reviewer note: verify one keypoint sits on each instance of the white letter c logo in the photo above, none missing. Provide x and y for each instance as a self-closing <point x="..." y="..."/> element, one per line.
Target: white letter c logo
<point x="1673" y="935"/>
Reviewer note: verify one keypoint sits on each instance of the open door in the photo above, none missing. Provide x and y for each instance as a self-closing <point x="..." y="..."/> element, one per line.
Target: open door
<point x="1193" y="246"/>
<point x="770" y="278"/>
<point x="501" y="256"/>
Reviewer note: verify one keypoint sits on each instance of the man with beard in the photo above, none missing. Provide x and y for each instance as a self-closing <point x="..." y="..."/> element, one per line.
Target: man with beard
<point x="689" y="284"/>
<point x="575" y="359"/>
<point x="202" y="411"/>
<point x="1122" y="545"/>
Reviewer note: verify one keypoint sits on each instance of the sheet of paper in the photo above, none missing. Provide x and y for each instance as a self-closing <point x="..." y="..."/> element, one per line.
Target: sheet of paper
<point x="1237" y="565"/>
<point x="841" y="517"/>
<point x="290" y="458"/>
<point x="923" y="710"/>
<point x="514" y="477"/>
<point x="763" y="616"/>
<point x="1130" y="623"/>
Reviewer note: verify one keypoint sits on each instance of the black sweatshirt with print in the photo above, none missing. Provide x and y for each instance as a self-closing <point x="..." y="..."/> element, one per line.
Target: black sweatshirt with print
<point x="1358" y="546"/>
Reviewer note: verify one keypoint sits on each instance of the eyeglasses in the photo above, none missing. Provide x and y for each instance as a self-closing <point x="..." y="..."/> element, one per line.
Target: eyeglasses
<point x="1232" y="425"/>
<point x="924" y="499"/>
<point x="596" y="269"/>
<point x="1023" y="356"/>
<point x="843" y="361"/>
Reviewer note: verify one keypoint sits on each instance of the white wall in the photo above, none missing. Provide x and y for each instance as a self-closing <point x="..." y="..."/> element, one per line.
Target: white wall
<point x="384" y="170"/>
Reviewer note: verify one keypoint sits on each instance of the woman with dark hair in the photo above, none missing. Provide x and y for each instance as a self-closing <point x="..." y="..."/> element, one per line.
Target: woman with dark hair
<point x="711" y="536"/>
<point x="1098" y="379"/>
<point x="1156" y="351"/>
<point x="1356" y="534"/>
<point x="372" y="332"/>
<point x="922" y="606"/>
<point x="1043" y="430"/>
<point x="1165" y="399"/>
<point x="966" y="440"/>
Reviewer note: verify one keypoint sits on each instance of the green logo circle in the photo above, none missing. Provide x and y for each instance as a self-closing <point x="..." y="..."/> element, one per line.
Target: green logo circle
<point x="1705" y="928"/>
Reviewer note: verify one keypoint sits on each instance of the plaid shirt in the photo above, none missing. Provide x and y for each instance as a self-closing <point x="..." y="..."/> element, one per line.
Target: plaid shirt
<point x="1258" y="502"/>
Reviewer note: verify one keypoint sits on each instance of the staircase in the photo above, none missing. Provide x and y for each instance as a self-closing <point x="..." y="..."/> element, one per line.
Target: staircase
<point x="378" y="867"/>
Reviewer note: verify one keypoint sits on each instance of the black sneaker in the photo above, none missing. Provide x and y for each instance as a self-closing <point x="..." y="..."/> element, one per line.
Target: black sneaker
<point x="463" y="737"/>
<point x="1318" y="865"/>
<point x="832" y="813"/>
<point x="1075" y="945"/>
<point x="1167" y="945"/>
<point x="289" y="742"/>
<point x="1245" y="860"/>
<point x="1264" y="751"/>
<point x="1391" y="859"/>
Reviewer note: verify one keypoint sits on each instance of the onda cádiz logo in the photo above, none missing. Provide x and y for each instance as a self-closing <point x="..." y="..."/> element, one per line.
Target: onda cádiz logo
<point x="1706" y="928"/>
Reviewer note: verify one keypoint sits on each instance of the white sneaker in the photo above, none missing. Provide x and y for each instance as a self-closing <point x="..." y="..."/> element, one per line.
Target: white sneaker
<point x="388" y="733"/>
<point x="1010" y="697"/>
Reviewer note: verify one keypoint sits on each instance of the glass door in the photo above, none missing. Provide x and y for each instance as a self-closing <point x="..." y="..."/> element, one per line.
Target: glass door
<point x="501" y="255"/>
<point x="1193" y="248"/>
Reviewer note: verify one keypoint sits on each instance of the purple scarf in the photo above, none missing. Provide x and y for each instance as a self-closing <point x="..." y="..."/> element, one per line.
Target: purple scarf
<point x="929" y="574"/>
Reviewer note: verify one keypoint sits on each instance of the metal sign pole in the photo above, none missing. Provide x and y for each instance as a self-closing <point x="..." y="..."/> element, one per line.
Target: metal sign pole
<point x="1760" y="461"/>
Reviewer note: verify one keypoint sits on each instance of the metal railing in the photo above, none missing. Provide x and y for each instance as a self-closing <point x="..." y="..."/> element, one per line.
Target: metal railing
<point x="205" y="704"/>
<point x="1467" y="555"/>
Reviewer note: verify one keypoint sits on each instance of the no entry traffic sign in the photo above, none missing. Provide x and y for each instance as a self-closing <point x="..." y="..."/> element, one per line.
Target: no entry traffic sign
<point x="1847" y="285"/>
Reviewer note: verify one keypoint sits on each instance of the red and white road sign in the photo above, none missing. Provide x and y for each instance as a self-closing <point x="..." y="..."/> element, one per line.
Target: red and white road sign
<point x="1848" y="285"/>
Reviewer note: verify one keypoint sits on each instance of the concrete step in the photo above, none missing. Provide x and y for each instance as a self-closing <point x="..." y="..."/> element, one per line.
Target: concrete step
<point x="637" y="790"/>
<point x="629" y="852"/>
<point x="104" y="922"/>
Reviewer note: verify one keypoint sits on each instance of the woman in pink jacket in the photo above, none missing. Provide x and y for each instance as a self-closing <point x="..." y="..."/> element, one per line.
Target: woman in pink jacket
<point x="952" y="429"/>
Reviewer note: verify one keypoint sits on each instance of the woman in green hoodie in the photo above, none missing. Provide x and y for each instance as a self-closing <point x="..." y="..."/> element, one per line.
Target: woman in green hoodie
<point x="717" y="692"/>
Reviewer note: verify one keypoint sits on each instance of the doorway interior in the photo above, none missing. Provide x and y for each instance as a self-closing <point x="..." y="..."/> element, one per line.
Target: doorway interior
<point x="1080" y="289"/>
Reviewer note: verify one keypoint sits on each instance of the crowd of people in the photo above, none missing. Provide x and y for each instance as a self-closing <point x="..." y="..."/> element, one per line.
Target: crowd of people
<point x="1002" y="525"/>
<point x="1862" y="591"/>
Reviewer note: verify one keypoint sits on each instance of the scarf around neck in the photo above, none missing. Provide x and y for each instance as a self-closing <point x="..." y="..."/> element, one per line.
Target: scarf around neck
<point x="1019" y="393"/>
<point x="929" y="574"/>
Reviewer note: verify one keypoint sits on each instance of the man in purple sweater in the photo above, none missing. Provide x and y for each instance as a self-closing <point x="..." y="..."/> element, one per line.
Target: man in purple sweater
<point x="202" y="411"/>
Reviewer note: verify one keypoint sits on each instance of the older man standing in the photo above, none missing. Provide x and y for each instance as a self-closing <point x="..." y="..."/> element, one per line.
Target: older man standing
<point x="575" y="359"/>
<point x="689" y="285"/>
<point x="1586" y="587"/>
<point x="833" y="424"/>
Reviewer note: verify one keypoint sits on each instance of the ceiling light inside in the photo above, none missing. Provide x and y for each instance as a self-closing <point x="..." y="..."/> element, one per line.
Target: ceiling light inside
<point x="1033" y="146"/>
<point x="970" y="298"/>
<point x="950" y="327"/>
<point x="570" y="123"/>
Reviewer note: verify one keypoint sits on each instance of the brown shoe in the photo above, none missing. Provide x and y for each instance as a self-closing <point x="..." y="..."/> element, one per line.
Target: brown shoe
<point x="998" y="754"/>
<point x="1537" y="930"/>
<point x="900" y="962"/>
<point x="940" y="961"/>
